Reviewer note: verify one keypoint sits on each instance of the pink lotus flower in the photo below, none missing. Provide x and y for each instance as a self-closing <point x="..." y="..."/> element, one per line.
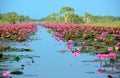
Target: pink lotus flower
<point x="110" y="49"/>
<point x="101" y="37"/>
<point x="76" y="34"/>
<point x="6" y="73"/>
<point x="95" y="40"/>
<point x="64" y="32"/>
<point x="20" y="30"/>
<point x="7" y="33"/>
<point x="69" y="47"/>
<point x="75" y="54"/>
<point x="78" y="49"/>
<point x="71" y="30"/>
<point x="102" y="56"/>
<point x="112" y="55"/>
<point x="118" y="43"/>
<point x="83" y="42"/>
<point x="116" y="48"/>
<point x="70" y="41"/>
<point x="105" y="33"/>
<point x="84" y="35"/>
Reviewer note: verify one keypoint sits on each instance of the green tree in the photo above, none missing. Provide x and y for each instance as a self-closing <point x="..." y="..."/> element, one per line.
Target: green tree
<point x="26" y="18"/>
<point x="22" y="18"/>
<point x="54" y="17"/>
<point x="117" y="19"/>
<point x="97" y="19"/>
<point x="66" y="11"/>
<point x="74" y="18"/>
<point x="0" y="16"/>
<point x="11" y="17"/>
<point x="108" y="18"/>
<point x="87" y="18"/>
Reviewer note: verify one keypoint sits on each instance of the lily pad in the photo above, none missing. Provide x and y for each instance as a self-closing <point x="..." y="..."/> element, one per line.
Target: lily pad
<point x="17" y="72"/>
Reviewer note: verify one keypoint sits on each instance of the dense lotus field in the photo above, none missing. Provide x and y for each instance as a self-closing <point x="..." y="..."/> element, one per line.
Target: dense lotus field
<point x="17" y="32"/>
<point x="103" y="41"/>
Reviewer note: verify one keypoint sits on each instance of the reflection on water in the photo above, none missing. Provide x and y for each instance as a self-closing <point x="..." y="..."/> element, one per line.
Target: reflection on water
<point x="51" y="59"/>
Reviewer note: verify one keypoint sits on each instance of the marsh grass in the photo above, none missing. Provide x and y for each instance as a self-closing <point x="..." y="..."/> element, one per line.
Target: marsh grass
<point x="105" y="24"/>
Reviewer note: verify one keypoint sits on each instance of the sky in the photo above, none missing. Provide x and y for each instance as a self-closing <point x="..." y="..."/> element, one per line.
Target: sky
<point x="38" y="9"/>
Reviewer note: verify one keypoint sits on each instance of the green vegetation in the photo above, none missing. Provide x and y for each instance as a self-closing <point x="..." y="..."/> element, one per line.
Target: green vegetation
<point x="67" y="15"/>
<point x="105" y="24"/>
<point x="13" y="17"/>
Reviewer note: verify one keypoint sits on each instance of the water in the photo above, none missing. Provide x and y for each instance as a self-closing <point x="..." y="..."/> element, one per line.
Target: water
<point x="53" y="63"/>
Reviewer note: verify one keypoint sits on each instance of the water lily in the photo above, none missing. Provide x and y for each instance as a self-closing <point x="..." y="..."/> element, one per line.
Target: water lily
<point x="6" y="73"/>
<point x="118" y="43"/>
<point x="17" y="31"/>
<point x="112" y="55"/>
<point x="84" y="35"/>
<point x="102" y="56"/>
<point x="104" y="33"/>
<point x="98" y="33"/>
<point x="116" y="48"/>
<point x="78" y="49"/>
<point x="75" y="54"/>
<point x="69" y="47"/>
<point x="95" y="40"/>
<point x="70" y="41"/>
<point x="110" y="49"/>
<point x="101" y="37"/>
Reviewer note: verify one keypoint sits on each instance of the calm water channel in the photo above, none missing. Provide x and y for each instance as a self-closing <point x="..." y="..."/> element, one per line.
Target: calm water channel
<point x="51" y="59"/>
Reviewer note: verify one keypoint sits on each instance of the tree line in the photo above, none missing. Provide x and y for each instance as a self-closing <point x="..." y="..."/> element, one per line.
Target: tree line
<point x="13" y="17"/>
<point x="68" y="15"/>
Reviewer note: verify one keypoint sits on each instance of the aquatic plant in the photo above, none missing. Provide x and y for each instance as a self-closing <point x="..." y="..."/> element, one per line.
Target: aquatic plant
<point x="76" y="54"/>
<point x="97" y="39"/>
<point x="6" y="74"/>
<point x="17" y="32"/>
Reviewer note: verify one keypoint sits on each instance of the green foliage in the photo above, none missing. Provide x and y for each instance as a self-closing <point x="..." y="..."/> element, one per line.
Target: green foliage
<point x="13" y="17"/>
<point x="66" y="10"/>
<point x="67" y="15"/>
<point x="2" y="22"/>
<point x="105" y="24"/>
<point x="74" y="18"/>
<point x="87" y="17"/>
<point x="0" y="16"/>
<point x="54" y="17"/>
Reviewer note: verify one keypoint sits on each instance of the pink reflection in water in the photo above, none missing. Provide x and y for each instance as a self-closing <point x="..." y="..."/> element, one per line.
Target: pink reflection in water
<point x="101" y="71"/>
